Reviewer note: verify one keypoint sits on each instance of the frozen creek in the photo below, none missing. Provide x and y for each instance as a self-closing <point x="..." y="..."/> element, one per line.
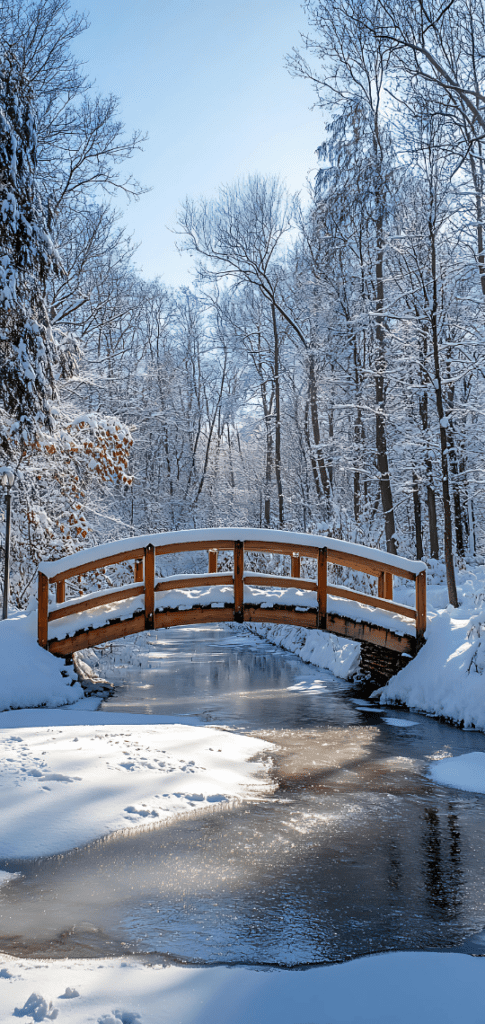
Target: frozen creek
<point x="357" y="850"/>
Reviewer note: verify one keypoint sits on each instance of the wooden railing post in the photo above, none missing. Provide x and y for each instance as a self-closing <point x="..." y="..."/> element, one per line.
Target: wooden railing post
<point x="43" y="610"/>
<point x="212" y="560"/>
<point x="138" y="571"/>
<point x="384" y="586"/>
<point x="296" y="565"/>
<point x="322" y="589"/>
<point x="238" y="581"/>
<point x="61" y="592"/>
<point x="420" y="606"/>
<point x="149" y="586"/>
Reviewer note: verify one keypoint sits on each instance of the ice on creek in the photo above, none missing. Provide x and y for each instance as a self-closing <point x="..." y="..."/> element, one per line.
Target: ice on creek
<point x="309" y="686"/>
<point x="400" y="723"/>
<point x="467" y="771"/>
<point x="65" y="785"/>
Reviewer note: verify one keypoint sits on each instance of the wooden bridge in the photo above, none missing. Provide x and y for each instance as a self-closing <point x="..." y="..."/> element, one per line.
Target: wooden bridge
<point x="237" y="593"/>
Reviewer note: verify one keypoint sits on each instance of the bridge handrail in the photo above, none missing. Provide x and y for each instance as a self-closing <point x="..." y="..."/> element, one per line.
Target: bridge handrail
<point x="297" y="546"/>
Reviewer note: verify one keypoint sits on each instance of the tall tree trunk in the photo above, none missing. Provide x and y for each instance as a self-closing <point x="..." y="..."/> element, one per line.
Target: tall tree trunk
<point x="380" y="392"/>
<point x="418" y="522"/>
<point x="438" y="390"/>
<point x="319" y="458"/>
<point x="277" y="459"/>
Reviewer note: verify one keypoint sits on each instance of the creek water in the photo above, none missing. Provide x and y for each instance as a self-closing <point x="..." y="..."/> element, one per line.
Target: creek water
<point x="356" y="851"/>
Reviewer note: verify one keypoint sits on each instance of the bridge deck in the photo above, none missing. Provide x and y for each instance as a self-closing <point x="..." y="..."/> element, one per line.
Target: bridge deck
<point x="151" y="602"/>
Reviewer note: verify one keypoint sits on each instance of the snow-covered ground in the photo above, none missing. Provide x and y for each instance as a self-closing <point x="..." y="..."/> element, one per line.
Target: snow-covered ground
<point x="29" y="676"/>
<point x="69" y="776"/>
<point x="395" y="988"/>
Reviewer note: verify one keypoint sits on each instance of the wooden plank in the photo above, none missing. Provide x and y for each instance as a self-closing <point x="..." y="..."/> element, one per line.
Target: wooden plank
<point x="212" y="559"/>
<point x="192" y="616"/>
<point x="420" y="605"/>
<point x="388" y="586"/>
<point x="279" y="581"/>
<point x="61" y="592"/>
<point x="342" y="626"/>
<point x="194" y="545"/>
<point x="149" y="585"/>
<point x="222" y="580"/>
<point x="295" y="564"/>
<point x="43" y="608"/>
<point x="99" y="563"/>
<point x="380" y="585"/>
<point x="322" y="589"/>
<point x="279" y="548"/>
<point x="102" y="634"/>
<point x="238" y="581"/>
<point x="104" y="597"/>
<point x="371" y="566"/>
<point x="283" y="616"/>
<point x="138" y="571"/>
<point x="372" y="602"/>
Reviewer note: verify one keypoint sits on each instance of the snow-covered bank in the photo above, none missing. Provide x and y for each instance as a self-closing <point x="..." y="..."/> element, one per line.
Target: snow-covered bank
<point x="422" y="988"/>
<point x="30" y="676"/>
<point x="70" y="776"/>
<point x="339" y="656"/>
<point x="447" y="676"/>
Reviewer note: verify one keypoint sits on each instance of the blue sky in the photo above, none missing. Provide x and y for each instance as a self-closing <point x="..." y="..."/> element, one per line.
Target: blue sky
<point x="206" y="80"/>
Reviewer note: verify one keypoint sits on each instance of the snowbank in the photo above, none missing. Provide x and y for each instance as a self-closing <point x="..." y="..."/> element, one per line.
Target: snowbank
<point x="29" y="675"/>
<point x="324" y="650"/>
<point x="446" y="678"/>
<point x="422" y="988"/>
<point x="68" y="777"/>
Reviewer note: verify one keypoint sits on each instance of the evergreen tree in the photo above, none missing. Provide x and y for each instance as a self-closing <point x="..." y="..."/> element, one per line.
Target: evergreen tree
<point x="27" y="259"/>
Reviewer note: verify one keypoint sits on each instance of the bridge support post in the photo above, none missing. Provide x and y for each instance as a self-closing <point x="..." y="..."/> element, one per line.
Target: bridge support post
<point x="43" y="610"/>
<point x="238" y="581"/>
<point x="420" y="607"/>
<point x="322" y="589"/>
<point x="149" y="586"/>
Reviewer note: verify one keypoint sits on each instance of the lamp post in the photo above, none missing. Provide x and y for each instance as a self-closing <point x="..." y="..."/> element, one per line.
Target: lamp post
<point x="7" y="478"/>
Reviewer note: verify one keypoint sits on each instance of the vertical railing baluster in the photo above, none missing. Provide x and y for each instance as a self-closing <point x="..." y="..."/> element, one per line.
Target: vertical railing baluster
<point x="149" y="586"/>
<point x="61" y="592"/>
<point x="238" y="581"/>
<point x="212" y="560"/>
<point x="295" y="565"/>
<point x="322" y="589"/>
<point x="43" y="610"/>
<point x="138" y="570"/>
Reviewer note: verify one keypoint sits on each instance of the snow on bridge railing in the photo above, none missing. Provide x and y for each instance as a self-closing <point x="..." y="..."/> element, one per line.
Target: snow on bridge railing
<point x="237" y="595"/>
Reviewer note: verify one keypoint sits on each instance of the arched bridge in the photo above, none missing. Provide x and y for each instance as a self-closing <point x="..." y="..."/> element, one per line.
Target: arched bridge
<point x="315" y="600"/>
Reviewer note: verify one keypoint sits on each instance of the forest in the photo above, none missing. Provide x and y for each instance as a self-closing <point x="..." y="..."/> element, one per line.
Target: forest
<point x="322" y="372"/>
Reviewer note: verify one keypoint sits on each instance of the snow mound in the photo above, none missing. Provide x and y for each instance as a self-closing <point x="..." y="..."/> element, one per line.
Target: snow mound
<point x="464" y="772"/>
<point x="29" y="675"/>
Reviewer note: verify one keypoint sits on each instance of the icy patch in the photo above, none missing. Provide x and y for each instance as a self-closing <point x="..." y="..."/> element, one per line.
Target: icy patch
<point x="399" y="723"/>
<point x="6" y="876"/>
<point x="467" y="771"/>
<point x="309" y="686"/>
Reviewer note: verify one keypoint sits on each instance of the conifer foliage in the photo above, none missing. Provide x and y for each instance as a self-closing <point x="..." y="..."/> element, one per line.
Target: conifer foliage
<point x="27" y="260"/>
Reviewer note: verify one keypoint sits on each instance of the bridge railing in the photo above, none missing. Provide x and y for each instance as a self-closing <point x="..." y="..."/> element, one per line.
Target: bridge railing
<point x="146" y="584"/>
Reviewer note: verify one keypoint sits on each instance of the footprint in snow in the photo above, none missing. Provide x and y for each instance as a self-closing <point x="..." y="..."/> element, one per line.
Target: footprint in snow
<point x="37" y="1008"/>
